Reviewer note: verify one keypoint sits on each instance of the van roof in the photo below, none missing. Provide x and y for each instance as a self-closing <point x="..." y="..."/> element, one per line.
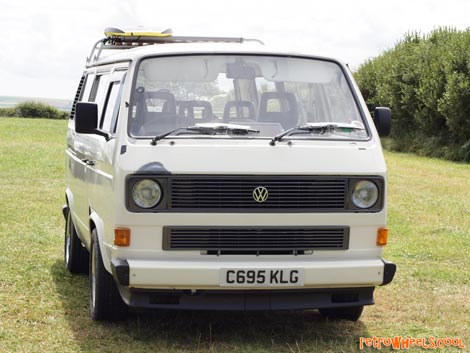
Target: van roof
<point x="195" y="48"/>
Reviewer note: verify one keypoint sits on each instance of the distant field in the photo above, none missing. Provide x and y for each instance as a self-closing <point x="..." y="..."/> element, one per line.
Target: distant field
<point x="45" y="309"/>
<point x="61" y="104"/>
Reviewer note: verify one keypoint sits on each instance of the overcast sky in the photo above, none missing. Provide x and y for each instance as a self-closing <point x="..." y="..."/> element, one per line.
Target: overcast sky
<point x="44" y="43"/>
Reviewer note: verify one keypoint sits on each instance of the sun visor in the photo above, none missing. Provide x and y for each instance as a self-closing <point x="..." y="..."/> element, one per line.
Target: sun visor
<point x="299" y="70"/>
<point x="182" y="69"/>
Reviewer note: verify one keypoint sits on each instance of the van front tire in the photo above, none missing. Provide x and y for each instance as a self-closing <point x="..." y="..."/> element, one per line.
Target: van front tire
<point x="106" y="303"/>
<point x="75" y="255"/>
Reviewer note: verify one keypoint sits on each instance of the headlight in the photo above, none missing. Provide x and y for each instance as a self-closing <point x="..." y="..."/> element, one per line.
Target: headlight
<point x="365" y="194"/>
<point x="146" y="193"/>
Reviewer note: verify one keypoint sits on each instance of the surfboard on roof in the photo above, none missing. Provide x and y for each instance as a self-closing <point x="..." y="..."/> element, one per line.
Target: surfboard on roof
<point x="110" y="32"/>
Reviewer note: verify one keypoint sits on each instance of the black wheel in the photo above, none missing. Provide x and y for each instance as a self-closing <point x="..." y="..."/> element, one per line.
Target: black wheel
<point x="75" y="255"/>
<point x="106" y="303"/>
<point x="352" y="313"/>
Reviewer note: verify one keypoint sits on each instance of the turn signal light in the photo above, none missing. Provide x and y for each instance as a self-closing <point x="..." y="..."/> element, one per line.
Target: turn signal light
<point x="122" y="236"/>
<point x="382" y="236"/>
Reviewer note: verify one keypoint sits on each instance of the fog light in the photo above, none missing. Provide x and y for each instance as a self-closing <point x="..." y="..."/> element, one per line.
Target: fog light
<point x="122" y="236"/>
<point x="382" y="236"/>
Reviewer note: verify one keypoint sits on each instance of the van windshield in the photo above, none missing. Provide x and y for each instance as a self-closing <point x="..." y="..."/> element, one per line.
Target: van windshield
<point x="269" y="94"/>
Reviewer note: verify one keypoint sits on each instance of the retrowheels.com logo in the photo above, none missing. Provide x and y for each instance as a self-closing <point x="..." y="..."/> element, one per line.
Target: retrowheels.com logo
<point x="399" y="342"/>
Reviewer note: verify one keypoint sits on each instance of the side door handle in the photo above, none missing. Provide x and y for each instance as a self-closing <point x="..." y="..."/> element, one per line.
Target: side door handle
<point x="89" y="162"/>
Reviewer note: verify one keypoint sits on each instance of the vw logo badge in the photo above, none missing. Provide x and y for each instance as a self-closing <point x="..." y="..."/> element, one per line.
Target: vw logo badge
<point x="260" y="194"/>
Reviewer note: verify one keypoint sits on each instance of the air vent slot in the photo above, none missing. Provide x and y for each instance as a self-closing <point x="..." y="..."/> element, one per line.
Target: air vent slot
<point x="78" y="95"/>
<point x="255" y="240"/>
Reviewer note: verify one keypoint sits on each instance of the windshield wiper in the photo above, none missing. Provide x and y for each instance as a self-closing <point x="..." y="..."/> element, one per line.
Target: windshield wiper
<point x="165" y="134"/>
<point x="319" y="128"/>
<point x="209" y="129"/>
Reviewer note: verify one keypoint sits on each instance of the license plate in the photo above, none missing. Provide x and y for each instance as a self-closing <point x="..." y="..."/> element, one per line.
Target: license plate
<point x="262" y="277"/>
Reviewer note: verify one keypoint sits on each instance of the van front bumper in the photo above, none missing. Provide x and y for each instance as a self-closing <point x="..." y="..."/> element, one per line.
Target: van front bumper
<point x="195" y="284"/>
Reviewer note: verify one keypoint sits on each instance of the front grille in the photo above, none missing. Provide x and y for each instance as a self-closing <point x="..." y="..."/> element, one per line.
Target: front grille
<point x="255" y="239"/>
<point x="295" y="193"/>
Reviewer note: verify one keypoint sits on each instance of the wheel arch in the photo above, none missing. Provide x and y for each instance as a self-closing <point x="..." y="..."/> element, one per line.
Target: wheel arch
<point x="96" y="223"/>
<point x="68" y="208"/>
<point x="69" y="198"/>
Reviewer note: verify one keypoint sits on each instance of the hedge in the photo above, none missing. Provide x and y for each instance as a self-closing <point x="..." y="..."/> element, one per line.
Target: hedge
<point x="425" y="80"/>
<point x="33" y="110"/>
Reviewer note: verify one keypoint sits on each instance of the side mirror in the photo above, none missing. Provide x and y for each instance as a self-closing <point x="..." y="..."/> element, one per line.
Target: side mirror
<point x="86" y="120"/>
<point x="383" y="120"/>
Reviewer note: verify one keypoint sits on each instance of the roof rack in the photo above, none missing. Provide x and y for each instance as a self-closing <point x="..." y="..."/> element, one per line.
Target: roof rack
<point x="119" y="39"/>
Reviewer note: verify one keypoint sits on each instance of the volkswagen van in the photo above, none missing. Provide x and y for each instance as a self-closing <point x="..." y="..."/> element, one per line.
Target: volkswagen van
<point x="220" y="174"/>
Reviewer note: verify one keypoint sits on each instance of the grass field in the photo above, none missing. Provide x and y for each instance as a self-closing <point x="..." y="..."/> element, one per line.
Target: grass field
<point x="44" y="309"/>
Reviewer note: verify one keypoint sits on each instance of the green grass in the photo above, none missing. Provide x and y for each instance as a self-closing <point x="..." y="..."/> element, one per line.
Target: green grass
<point x="44" y="309"/>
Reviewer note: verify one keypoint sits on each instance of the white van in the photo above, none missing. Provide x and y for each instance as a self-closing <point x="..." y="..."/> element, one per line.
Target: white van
<point x="216" y="173"/>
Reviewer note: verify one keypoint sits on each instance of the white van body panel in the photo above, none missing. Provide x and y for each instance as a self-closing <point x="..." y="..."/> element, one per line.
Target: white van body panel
<point x="257" y="157"/>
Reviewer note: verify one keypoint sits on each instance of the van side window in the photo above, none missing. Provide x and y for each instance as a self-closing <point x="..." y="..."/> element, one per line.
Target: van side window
<point x="112" y="101"/>
<point x="94" y="89"/>
<point x="110" y="109"/>
<point x="99" y="91"/>
<point x="85" y="96"/>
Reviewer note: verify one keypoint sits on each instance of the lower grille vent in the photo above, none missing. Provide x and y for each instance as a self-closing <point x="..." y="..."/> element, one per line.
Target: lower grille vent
<point x="248" y="240"/>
